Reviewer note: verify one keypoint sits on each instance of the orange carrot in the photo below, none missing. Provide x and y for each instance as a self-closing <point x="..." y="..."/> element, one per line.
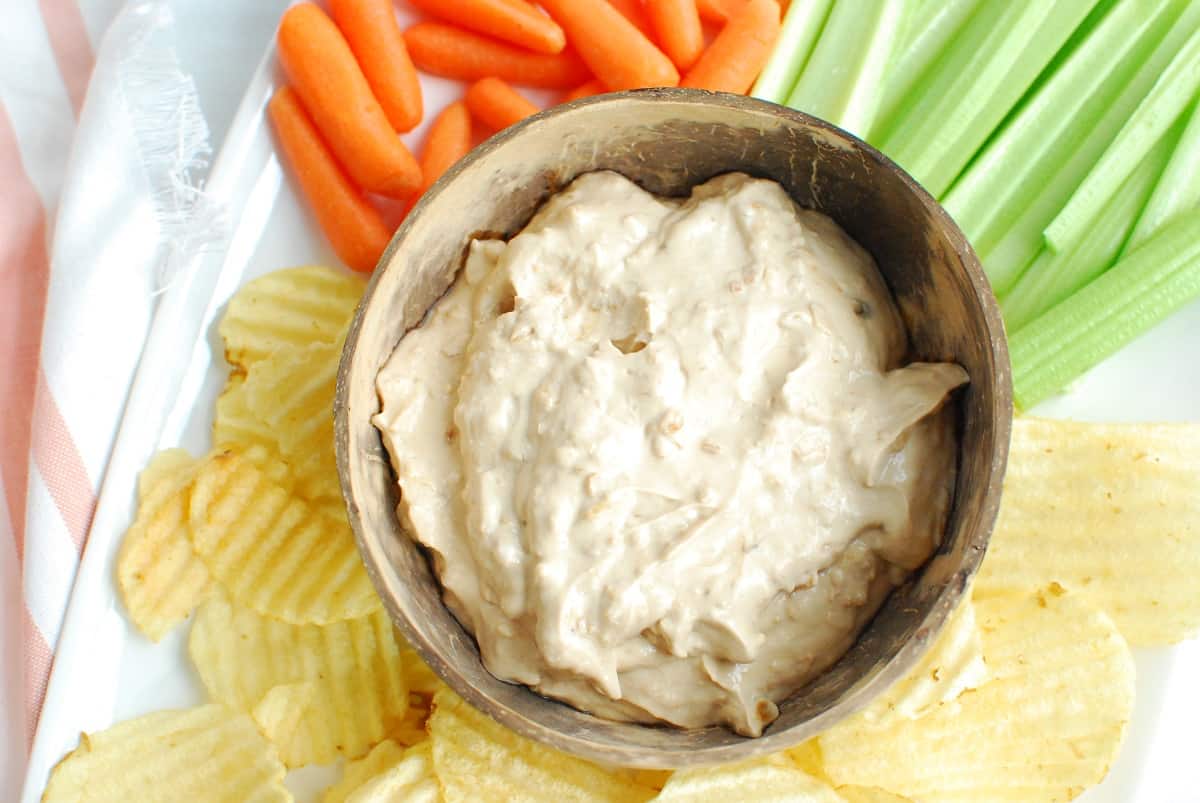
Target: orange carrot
<point x="514" y="21"/>
<point x="740" y="51"/>
<point x="717" y="12"/>
<point x="352" y="226"/>
<point x="677" y="25"/>
<point x="635" y="12"/>
<point x="449" y="140"/>
<point x="592" y="87"/>
<point x="335" y="93"/>
<point x="454" y="53"/>
<point x="616" y="51"/>
<point x="496" y="104"/>
<point x="374" y="35"/>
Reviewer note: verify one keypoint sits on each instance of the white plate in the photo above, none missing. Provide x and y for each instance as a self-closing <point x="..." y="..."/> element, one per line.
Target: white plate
<point x="106" y="672"/>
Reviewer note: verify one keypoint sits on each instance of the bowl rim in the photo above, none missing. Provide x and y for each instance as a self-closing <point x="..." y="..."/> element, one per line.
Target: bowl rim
<point x="1000" y="407"/>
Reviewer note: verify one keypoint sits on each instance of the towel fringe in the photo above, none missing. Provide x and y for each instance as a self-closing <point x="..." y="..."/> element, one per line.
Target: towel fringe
<point x="173" y="142"/>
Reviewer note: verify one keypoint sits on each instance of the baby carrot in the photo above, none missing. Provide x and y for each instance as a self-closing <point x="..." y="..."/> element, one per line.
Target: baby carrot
<point x="514" y="21"/>
<point x="635" y="12"/>
<point x="352" y="226"/>
<point x="717" y="12"/>
<point x="677" y="26"/>
<point x="616" y="51"/>
<point x="592" y="87"/>
<point x="496" y="104"/>
<point x="374" y="35"/>
<point x="449" y="140"/>
<point x="454" y="53"/>
<point x="335" y="93"/>
<point x="741" y="49"/>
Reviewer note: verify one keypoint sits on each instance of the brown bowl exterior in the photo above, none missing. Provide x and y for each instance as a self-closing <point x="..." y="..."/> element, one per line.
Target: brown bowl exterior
<point x="669" y="140"/>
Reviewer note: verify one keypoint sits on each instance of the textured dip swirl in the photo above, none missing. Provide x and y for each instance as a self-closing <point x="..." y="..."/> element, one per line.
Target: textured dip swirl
<point x="665" y="453"/>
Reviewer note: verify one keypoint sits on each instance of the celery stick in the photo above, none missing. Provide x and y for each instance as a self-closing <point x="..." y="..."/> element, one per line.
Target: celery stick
<point x="1007" y="249"/>
<point x="801" y="27"/>
<point x="1082" y="32"/>
<point x="1169" y="97"/>
<point x="1033" y="145"/>
<point x="930" y="29"/>
<point x="842" y="80"/>
<point x="1134" y="295"/>
<point x="1052" y="277"/>
<point x="1178" y="189"/>
<point x="975" y="84"/>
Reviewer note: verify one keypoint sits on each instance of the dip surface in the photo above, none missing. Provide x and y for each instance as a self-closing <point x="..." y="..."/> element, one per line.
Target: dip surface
<point x="666" y="453"/>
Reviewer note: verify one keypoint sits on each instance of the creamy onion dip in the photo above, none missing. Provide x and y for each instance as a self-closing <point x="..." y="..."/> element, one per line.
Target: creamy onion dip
<point x="666" y="453"/>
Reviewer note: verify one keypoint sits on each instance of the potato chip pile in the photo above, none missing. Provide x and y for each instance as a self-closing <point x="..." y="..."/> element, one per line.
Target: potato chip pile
<point x="1026" y="695"/>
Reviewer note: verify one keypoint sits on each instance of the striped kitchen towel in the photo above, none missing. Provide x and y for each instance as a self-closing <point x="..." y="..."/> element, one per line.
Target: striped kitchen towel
<point x="101" y="145"/>
<point x="48" y="468"/>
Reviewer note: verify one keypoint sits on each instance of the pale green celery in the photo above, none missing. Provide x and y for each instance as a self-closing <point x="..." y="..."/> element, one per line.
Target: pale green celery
<point x="842" y="80"/>
<point x="976" y="82"/>
<point x="1178" y="189"/>
<point x="801" y="27"/>
<point x="1032" y="147"/>
<point x="1006" y="252"/>
<point x="1134" y="295"/>
<point x="1052" y="277"/>
<point x="929" y="31"/>
<point x="1084" y="30"/>
<point x="1158" y="111"/>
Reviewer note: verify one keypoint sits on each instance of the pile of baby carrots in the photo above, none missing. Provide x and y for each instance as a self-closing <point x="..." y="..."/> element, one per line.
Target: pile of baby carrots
<point x="353" y="85"/>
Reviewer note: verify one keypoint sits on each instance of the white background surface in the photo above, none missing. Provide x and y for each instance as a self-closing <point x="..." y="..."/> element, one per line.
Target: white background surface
<point x="221" y="43"/>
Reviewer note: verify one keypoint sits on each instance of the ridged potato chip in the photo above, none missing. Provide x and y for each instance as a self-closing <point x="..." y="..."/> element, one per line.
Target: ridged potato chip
<point x="164" y="465"/>
<point x="268" y="462"/>
<point x="651" y="779"/>
<point x="410" y="780"/>
<point x="807" y="757"/>
<point x="411" y="730"/>
<point x="271" y="551"/>
<point x="277" y="408"/>
<point x="1046" y="726"/>
<point x="292" y="391"/>
<point x="158" y="574"/>
<point x="384" y="755"/>
<point x="208" y="753"/>
<point x="284" y="715"/>
<point x="422" y="685"/>
<point x="951" y="666"/>
<point x="869" y="794"/>
<point x="759" y="780"/>
<point x="420" y="678"/>
<point x="1110" y="511"/>
<point x="478" y="759"/>
<point x="354" y="667"/>
<point x="235" y="424"/>
<point x="290" y="307"/>
<point x="236" y="429"/>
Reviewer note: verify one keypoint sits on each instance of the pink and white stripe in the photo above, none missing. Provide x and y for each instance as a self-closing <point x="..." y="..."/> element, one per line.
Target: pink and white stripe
<point x="47" y="481"/>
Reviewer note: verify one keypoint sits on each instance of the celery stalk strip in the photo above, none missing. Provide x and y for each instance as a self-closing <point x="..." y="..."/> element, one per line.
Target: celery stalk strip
<point x="1035" y="143"/>
<point x="1137" y="293"/>
<point x="1168" y="99"/>
<point x="1178" y="189"/>
<point x="1098" y="13"/>
<point x="842" y="80"/>
<point x="976" y="83"/>
<point x="1006" y="253"/>
<point x="929" y="31"/>
<point x="1052" y="277"/>
<point x="801" y="27"/>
